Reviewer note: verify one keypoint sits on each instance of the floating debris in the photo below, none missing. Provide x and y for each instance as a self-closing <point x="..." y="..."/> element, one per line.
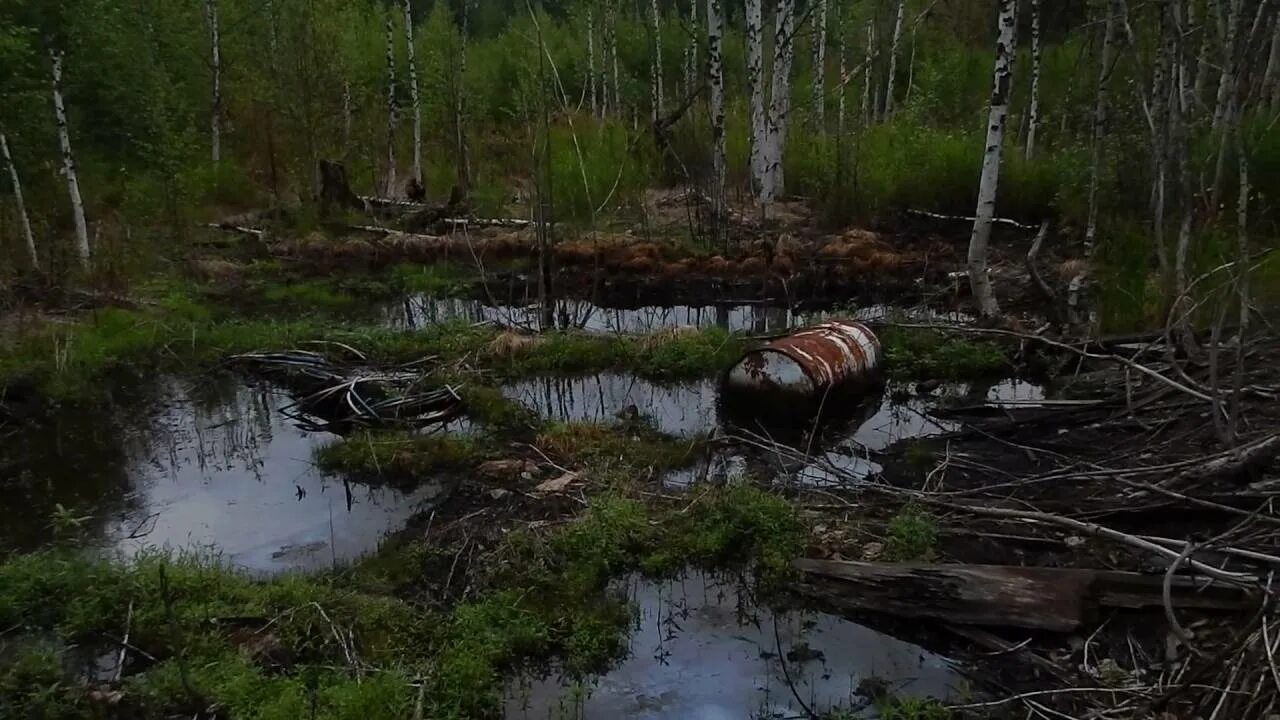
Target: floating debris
<point x="333" y="395"/>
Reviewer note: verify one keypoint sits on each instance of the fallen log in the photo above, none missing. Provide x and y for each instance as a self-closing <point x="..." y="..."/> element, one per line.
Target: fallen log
<point x="1052" y="599"/>
<point x="250" y="231"/>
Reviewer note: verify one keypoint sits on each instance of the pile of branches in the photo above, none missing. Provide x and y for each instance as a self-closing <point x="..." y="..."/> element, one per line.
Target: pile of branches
<point x="1166" y="469"/>
<point x="335" y="395"/>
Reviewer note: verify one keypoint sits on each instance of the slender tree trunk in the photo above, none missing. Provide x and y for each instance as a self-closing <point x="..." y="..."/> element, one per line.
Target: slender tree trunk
<point x="1203" y="66"/>
<point x="460" y="103"/>
<point x="1033" y="113"/>
<point x="24" y="220"/>
<point x="820" y="64"/>
<point x="1164" y="90"/>
<point x="390" y="188"/>
<point x="843" y="50"/>
<point x="780" y="100"/>
<point x="715" y="72"/>
<point x="866" y="74"/>
<point x="215" y="65"/>
<point x="413" y="90"/>
<point x="1100" y="122"/>
<point x="1242" y="228"/>
<point x="989" y="182"/>
<point x="69" y="162"/>
<point x="591" y="64"/>
<point x="1271" y="78"/>
<point x="893" y="61"/>
<point x="1180" y="139"/>
<point x="1226" y="103"/>
<point x="613" y="52"/>
<point x="346" y="119"/>
<point x="755" y="83"/>
<point x="1226" y="84"/>
<point x="656" y="70"/>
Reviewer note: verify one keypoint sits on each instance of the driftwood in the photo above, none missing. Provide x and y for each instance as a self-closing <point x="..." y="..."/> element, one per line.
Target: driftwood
<point x="1053" y="599"/>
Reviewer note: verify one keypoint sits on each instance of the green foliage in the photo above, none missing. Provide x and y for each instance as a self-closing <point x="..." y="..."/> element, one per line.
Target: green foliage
<point x="898" y="707"/>
<point x="912" y="535"/>
<point x="597" y="165"/>
<point x="400" y="457"/>
<point x="914" y="354"/>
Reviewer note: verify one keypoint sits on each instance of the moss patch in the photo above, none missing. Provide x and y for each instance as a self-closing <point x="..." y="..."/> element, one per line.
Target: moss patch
<point x="915" y="354"/>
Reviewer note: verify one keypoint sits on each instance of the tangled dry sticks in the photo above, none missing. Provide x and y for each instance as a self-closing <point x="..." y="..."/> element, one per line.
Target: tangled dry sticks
<point x="1156" y="492"/>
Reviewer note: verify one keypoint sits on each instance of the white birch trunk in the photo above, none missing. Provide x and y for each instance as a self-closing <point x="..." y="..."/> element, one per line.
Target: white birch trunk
<point x="390" y="188"/>
<point x="1033" y="114"/>
<point x="656" y="69"/>
<point x="346" y="118"/>
<point x="893" y="60"/>
<point x="820" y="64"/>
<point x="1100" y="122"/>
<point x="24" y="220"/>
<point x="1227" y="85"/>
<point x="613" y="51"/>
<point x="591" y="64"/>
<point x="715" y="72"/>
<point x="989" y="182"/>
<point x="780" y="100"/>
<point x="842" y="49"/>
<point x="69" y="162"/>
<point x="755" y="83"/>
<point x="413" y="90"/>
<point x="1271" y="77"/>
<point x="215" y="65"/>
<point x="866" y="74"/>
<point x="1226" y="105"/>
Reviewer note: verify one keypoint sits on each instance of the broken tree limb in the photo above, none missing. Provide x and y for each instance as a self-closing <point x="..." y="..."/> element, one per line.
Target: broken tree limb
<point x="962" y="218"/>
<point x="1256" y="454"/>
<point x="1052" y="599"/>
<point x="243" y="230"/>
<point x="1034" y="270"/>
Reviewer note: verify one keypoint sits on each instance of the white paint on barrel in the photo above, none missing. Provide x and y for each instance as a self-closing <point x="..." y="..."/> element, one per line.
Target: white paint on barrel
<point x="810" y="360"/>
<point x="768" y="370"/>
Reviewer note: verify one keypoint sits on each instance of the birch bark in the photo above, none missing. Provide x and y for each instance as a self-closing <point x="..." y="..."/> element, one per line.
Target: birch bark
<point x="24" y="220"/>
<point x="390" y="188"/>
<point x="755" y="84"/>
<point x="780" y="100"/>
<point x="715" y="72"/>
<point x="989" y="181"/>
<point x="893" y="60"/>
<point x="820" y="64"/>
<point x="69" y="162"/>
<point x="413" y="90"/>
<point x="215" y="65"/>
<point x="1033" y="113"/>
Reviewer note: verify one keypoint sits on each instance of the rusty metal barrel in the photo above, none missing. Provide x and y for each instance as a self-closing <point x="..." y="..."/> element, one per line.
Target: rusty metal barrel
<point x="832" y="356"/>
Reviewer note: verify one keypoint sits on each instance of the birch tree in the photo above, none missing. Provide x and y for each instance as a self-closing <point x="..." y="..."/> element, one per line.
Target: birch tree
<point x="390" y="188"/>
<point x="779" y="101"/>
<point x="414" y="100"/>
<point x="819" y="21"/>
<point x="715" y="73"/>
<point x="1033" y="112"/>
<point x="1100" y="120"/>
<point x="591" y="64"/>
<point x="69" y="160"/>
<point x="655" y="79"/>
<point x="755" y="84"/>
<point x="893" y="60"/>
<point x="24" y="221"/>
<point x="1271" y="77"/>
<point x="989" y="181"/>
<point x="866" y="73"/>
<point x="215" y="66"/>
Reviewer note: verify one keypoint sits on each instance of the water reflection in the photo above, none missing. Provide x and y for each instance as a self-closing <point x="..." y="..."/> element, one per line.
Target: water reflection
<point x="702" y="649"/>
<point x="218" y="469"/>
<point x="757" y="318"/>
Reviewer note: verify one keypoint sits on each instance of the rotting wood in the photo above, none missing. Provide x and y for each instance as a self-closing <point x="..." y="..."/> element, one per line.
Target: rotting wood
<point x="1052" y="599"/>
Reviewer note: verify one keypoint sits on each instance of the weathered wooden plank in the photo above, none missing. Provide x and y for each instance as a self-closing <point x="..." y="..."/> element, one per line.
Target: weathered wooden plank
<point x="1054" y="599"/>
